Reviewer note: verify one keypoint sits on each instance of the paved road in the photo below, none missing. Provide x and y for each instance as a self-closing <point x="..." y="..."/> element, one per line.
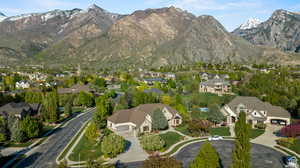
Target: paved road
<point x="262" y="157"/>
<point x="45" y="155"/>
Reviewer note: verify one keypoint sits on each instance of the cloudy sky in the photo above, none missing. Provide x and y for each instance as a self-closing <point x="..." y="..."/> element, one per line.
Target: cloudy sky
<point x="231" y="13"/>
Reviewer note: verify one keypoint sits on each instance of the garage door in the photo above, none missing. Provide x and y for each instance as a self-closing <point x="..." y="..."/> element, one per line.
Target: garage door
<point x="278" y="122"/>
<point x="123" y="128"/>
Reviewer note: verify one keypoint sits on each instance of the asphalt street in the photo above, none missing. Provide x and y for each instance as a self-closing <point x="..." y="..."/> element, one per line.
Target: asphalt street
<point x="45" y="155"/>
<point x="262" y="157"/>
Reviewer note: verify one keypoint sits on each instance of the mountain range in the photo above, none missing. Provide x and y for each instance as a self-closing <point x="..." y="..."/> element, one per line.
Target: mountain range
<point x="97" y="38"/>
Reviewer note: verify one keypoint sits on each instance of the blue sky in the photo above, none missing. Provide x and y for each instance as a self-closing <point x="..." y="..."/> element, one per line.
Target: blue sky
<point x="231" y="13"/>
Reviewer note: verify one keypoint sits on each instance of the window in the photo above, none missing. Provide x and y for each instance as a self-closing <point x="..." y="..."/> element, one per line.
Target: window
<point x="146" y="128"/>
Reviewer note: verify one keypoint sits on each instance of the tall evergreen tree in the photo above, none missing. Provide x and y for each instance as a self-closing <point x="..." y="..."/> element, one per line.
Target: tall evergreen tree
<point x="207" y="157"/>
<point x="241" y="154"/>
<point x="159" y="121"/>
<point x="103" y="110"/>
<point x="50" y="105"/>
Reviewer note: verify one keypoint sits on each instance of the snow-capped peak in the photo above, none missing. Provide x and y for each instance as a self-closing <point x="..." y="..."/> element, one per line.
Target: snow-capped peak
<point x="251" y="23"/>
<point x="2" y="17"/>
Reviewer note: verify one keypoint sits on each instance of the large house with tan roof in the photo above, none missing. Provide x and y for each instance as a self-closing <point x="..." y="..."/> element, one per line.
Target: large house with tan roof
<point x="256" y="111"/>
<point x="138" y="120"/>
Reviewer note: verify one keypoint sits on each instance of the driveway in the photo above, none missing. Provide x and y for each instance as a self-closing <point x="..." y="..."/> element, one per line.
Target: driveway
<point x="134" y="152"/>
<point x="44" y="155"/>
<point x="269" y="137"/>
<point x="262" y="157"/>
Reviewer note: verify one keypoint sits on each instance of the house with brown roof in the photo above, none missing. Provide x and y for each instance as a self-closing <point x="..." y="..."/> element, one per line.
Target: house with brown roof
<point x="256" y="111"/>
<point x="139" y="119"/>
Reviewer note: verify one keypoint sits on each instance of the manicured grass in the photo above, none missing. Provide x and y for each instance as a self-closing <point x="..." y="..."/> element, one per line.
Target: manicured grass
<point x="296" y="146"/>
<point x="183" y="128"/>
<point x="221" y="131"/>
<point x="254" y="133"/>
<point x="63" y="154"/>
<point x="170" y="139"/>
<point x="176" y="148"/>
<point x="86" y="149"/>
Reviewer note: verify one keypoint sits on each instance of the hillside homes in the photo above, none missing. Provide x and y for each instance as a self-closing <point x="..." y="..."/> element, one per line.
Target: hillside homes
<point x="256" y="111"/>
<point x="214" y="83"/>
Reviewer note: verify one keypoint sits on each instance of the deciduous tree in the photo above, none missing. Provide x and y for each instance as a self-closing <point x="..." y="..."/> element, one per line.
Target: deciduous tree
<point x="161" y="162"/>
<point x="112" y="145"/>
<point x="159" y="121"/>
<point x="152" y="142"/>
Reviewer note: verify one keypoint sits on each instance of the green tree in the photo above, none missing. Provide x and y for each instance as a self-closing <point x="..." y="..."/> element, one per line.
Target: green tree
<point x="17" y="135"/>
<point x="68" y="108"/>
<point x="50" y="106"/>
<point x="152" y="142"/>
<point x="159" y="121"/>
<point x="31" y="127"/>
<point x="86" y="99"/>
<point x="103" y="110"/>
<point x="241" y="154"/>
<point x="92" y="132"/>
<point x="100" y="82"/>
<point x="215" y="114"/>
<point x="161" y="162"/>
<point x="206" y="158"/>
<point x="112" y="145"/>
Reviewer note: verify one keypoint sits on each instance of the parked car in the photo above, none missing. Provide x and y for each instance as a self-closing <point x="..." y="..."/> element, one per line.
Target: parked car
<point x="290" y="162"/>
<point x="215" y="138"/>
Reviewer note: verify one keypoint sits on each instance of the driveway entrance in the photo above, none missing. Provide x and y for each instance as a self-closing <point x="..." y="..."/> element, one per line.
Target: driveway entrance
<point x="269" y="137"/>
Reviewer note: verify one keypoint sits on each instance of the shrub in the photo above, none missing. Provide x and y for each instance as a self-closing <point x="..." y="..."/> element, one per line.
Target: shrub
<point x="112" y="145"/>
<point x="286" y="142"/>
<point x="92" y="132"/>
<point x="292" y="130"/>
<point x="152" y="142"/>
<point x="199" y="127"/>
<point x="31" y="127"/>
<point x="159" y="162"/>
<point x="260" y="126"/>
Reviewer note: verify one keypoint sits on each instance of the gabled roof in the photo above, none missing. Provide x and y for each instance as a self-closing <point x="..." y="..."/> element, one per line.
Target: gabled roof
<point x="253" y="103"/>
<point x="74" y="89"/>
<point x="138" y="114"/>
<point x="213" y="82"/>
<point x="19" y="108"/>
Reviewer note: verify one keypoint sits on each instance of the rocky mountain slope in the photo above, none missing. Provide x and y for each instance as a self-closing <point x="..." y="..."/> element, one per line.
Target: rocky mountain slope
<point x="152" y="37"/>
<point x="281" y="30"/>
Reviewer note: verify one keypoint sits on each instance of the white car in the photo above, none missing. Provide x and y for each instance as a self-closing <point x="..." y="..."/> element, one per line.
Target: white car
<point x="215" y="138"/>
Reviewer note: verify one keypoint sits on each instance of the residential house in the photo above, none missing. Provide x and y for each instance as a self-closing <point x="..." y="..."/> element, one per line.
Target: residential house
<point x="75" y="89"/>
<point x="207" y="76"/>
<point x="170" y="76"/>
<point x="23" y="84"/>
<point x="256" y="111"/>
<point x="139" y="119"/>
<point x="20" y="110"/>
<point x="217" y="86"/>
<point x="154" y="90"/>
<point x="151" y="81"/>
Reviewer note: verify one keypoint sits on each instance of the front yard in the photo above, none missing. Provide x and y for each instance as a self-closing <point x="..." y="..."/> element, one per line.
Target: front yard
<point x="296" y="146"/>
<point x="170" y="139"/>
<point x="254" y="133"/>
<point x="86" y="150"/>
<point x="221" y="131"/>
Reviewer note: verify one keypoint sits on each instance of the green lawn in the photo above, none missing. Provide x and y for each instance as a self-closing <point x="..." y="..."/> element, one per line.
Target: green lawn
<point x="296" y="146"/>
<point x="183" y="128"/>
<point x="86" y="150"/>
<point x="254" y="133"/>
<point x="170" y="139"/>
<point x="221" y="131"/>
